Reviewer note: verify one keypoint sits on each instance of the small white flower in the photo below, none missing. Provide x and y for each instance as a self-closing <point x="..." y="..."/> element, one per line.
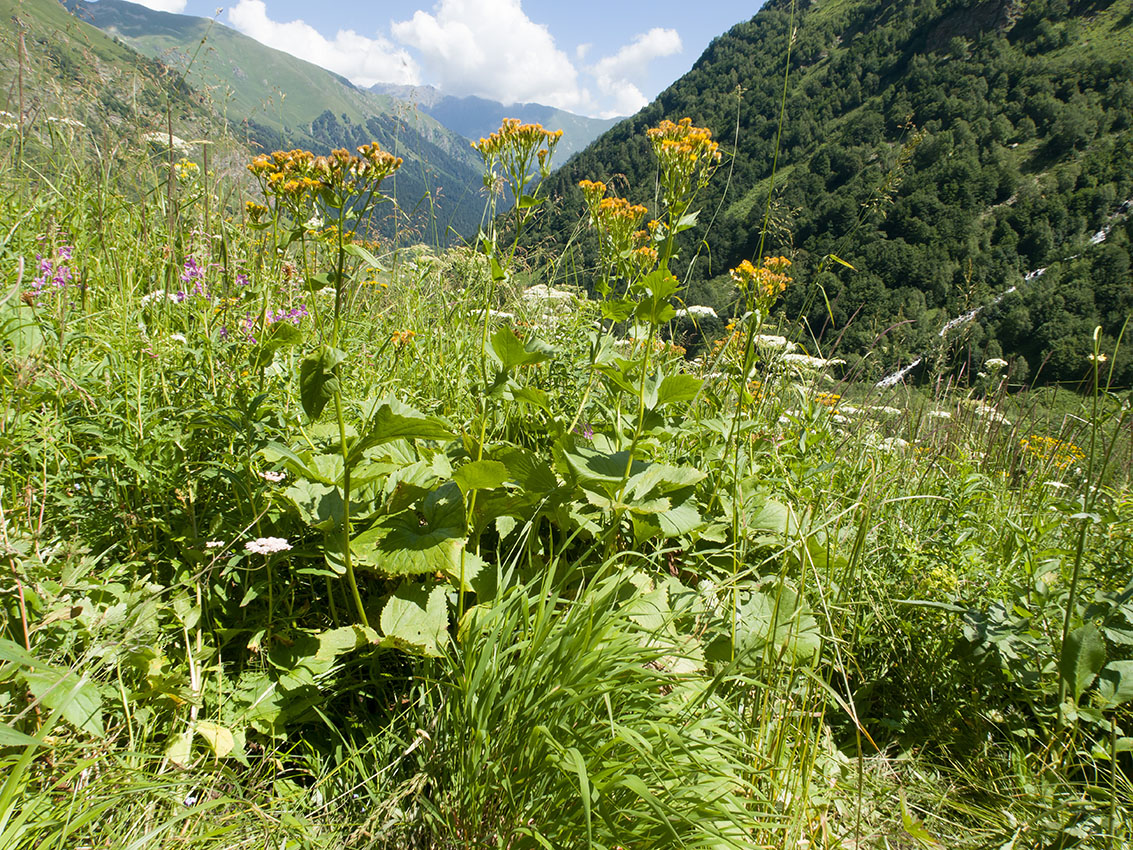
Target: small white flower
<point x="273" y="477"/>
<point x="178" y="338"/>
<point x="1097" y="358"/>
<point x="267" y="545"/>
<point x="996" y="363"/>
<point x="315" y="222"/>
<point x="214" y="544"/>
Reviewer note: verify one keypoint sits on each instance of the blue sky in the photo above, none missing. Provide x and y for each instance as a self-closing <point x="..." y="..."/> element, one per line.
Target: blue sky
<point x="595" y="58"/>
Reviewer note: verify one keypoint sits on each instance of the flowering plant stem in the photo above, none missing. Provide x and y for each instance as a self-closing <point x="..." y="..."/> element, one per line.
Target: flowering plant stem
<point x="340" y="265"/>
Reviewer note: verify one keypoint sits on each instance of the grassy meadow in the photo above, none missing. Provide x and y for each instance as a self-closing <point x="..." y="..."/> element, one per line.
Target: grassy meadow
<point x="313" y="540"/>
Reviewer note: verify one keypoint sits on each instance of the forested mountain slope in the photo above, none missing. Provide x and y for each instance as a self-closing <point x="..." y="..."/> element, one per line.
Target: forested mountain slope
<point x="943" y="148"/>
<point x="279" y="101"/>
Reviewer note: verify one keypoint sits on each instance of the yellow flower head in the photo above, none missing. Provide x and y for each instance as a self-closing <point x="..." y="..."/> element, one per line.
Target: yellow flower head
<point x="687" y="157"/>
<point x="764" y="282"/>
<point x="1060" y="454"/>
<point x="298" y="176"/>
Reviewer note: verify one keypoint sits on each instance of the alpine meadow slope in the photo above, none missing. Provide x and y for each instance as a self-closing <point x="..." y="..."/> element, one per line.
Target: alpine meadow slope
<point x="281" y="102"/>
<point x="942" y="148"/>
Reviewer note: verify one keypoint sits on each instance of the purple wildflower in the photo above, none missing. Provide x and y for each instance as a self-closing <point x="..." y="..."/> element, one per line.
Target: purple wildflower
<point x="584" y="430"/>
<point x="191" y="271"/>
<point x="294" y="315"/>
<point x="241" y="279"/>
<point x="55" y="272"/>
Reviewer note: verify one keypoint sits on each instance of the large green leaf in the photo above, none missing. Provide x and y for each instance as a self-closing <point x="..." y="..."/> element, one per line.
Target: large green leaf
<point x="528" y="470"/>
<point x="662" y="478"/>
<point x="311" y="656"/>
<point x="659" y="286"/>
<point x="415" y="618"/>
<point x="391" y="421"/>
<point x="279" y="335"/>
<point x="10" y="737"/>
<point x="777" y="616"/>
<point x="1083" y="655"/>
<point x="220" y="739"/>
<point x="594" y="467"/>
<point x="416" y="544"/>
<point x="320" y="505"/>
<point x="318" y="382"/>
<point x="76" y="696"/>
<point x="509" y="351"/>
<point x="676" y="388"/>
<point x="1115" y="684"/>
<point x="19" y="329"/>
<point x="480" y="475"/>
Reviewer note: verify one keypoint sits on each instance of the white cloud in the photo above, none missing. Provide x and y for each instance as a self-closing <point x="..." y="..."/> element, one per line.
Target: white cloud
<point x="363" y="60"/>
<point x="492" y="49"/>
<point x="617" y="76"/>
<point x="176" y="6"/>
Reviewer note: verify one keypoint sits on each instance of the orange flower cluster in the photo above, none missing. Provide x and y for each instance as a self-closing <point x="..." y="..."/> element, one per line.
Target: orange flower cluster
<point x="1061" y="454"/>
<point x="687" y="156"/>
<point x="255" y="212"/>
<point x="764" y="282"/>
<point x="297" y="174"/>
<point x="734" y="340"/>
<point x="402" y="338"/>
<point x="514" y="136"/>
<point x="618" y="223"/>
<point x="828" y="399"/>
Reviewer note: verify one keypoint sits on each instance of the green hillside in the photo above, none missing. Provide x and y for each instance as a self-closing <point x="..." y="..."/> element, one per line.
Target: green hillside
<point x="280" y="101"/>
<point x="943" y="148"/>
<point x="68" y="69"/>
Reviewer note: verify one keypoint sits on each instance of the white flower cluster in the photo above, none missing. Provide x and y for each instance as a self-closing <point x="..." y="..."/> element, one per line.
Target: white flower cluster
<point x="158" y="295"/>
<point x="697" y="311"/>
<point x="989" y="412"/>
<point x="779" y="343"/>
<point x="550" y="299"/>
<point x="267" y="545"/>
<point x="804" y="361"/>
<point x="162" y="140"/>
